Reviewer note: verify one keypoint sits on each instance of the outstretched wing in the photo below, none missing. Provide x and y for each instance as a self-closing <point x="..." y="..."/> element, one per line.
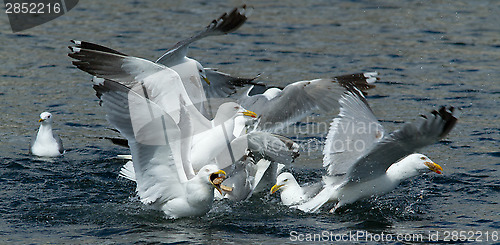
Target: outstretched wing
<point x="351" y="135"/>
<point x="226" y="23"/>
<point x="153" y="137"/>
<point x="427" y="130"/>
<point x="161" y="84"/>
<point x="107" y="63"/>
<point x="223" y="85"/>
<point x="280" y="108"/>
<point x="259" y="145"/>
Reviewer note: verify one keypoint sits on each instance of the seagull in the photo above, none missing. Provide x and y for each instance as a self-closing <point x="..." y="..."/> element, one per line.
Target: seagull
<point x="46" y="143"/>
<point x="280" y="107"/>
<point x="379" y="162"/>
<point x="291" y="192"/>
<point x="164" y="176"/>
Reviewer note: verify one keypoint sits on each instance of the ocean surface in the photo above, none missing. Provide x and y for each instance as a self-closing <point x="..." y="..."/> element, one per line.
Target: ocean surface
<point x="428" y="54"/>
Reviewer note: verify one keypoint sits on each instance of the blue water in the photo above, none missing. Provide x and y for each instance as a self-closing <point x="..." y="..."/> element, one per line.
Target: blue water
<point x="428" y="54"/>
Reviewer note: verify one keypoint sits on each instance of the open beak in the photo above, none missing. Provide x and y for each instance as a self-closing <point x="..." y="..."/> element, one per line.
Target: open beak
<point x="250" y="114"/>
<point x="275" y="188"/>
<point x="434" y="167"/>
<point x="206" y="80"/>
<point x="217" y="178"/>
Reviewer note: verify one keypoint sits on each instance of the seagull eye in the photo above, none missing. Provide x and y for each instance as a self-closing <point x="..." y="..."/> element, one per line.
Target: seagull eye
<point x="285" y="180"/>
<point x="422" y="158"/>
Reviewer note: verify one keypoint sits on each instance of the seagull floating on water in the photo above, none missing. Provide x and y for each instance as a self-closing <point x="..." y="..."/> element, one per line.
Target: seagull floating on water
<point x="46" y="143"/>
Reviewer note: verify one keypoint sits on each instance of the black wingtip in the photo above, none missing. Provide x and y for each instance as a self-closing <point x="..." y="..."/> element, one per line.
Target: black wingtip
<point x="446" y="114"/>
<point x="362" y="81"/>
<point x="118" y="141"/>
<point x="450" y="120"/>
<point x="93" y="46"/>
<point x="227" y="23"/>
<point x="73" y="49"/>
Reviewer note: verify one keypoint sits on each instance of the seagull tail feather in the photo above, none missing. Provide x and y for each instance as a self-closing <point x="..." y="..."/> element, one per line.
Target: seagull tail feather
<point x="315" y="203"/>
<point x="127" y="171"/>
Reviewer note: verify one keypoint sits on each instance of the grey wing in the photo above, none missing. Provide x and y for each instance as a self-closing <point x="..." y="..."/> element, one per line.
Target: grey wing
<point x="154" y="141"/>
<point x="427" y="130"/>
<point x="279" y="109"/>
<point x="259" y="145"/>
<point x="240" y="177"/>
<point x="272" y="147"/>
<point x="312" y="189"/>
<point x="59" y="143"/>
<point x="351" y="135"/>
<point x="223" y="85"/>
<point x="110" y="64"/>
<point x="226" y="23"/>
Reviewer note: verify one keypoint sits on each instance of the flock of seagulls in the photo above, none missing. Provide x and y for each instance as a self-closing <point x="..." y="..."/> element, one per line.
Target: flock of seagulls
<point x="184" y="157"/>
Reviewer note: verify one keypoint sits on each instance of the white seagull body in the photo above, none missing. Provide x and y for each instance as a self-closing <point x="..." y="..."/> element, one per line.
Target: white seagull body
<point x="46" y="143"/>
<point x="291" y="193"/>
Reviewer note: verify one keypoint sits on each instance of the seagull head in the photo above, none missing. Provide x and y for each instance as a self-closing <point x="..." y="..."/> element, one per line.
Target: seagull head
<point x="239" y="110"/>
<point x="422" y="164"/>
<point x="213" y="175"/>
<point x="45" y="117"/>
<point x="202" y="72"/>
<point x="411" y="166"/>
<point x="229" y="110"/>
<point x="283" y="181"/>
<point x="247" y="113"/>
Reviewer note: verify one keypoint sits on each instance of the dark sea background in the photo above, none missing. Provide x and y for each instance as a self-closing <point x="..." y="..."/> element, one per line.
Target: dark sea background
<point x="428" y="54"/>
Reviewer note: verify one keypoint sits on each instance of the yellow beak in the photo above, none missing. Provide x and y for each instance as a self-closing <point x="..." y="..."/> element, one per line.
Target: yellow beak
<point x="250" y="114"/>
<point x="41" y="120"/>
<point x="275" y="188"/>
<point x="206" y="80"/>
<point x="434" y="167"/>
<point x="218" y="184"/>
